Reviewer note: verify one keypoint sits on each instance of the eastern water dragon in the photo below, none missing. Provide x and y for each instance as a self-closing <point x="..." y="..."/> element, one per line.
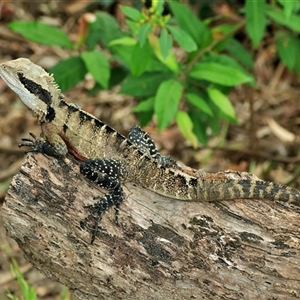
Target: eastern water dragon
<point x="109" y="159"/>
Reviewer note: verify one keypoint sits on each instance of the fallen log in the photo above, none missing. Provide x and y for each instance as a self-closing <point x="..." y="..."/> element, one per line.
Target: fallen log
<point x="162" y="249"/>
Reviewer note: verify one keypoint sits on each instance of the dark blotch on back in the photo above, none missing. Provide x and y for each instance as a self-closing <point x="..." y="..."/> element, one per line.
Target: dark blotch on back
<point x="72" y="109"/>
<point x="50" y="113"/>
<point x="37" y="90"/>
<point x="65" y="128"/>
<point x="83" y="117"/>
<point x="183" y="180"/>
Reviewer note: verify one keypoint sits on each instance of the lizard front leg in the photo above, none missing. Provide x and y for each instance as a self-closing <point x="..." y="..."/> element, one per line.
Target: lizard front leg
<point x="53" y="146"/>
<point x="108" y="174"/>
<point x="42" y="146"/>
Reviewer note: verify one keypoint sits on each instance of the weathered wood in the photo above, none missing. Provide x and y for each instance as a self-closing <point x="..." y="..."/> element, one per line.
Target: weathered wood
<point x="162" y="249"/>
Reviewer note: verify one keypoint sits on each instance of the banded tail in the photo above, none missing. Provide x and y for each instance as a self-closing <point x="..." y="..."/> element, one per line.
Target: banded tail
<point x="226" y="189"/>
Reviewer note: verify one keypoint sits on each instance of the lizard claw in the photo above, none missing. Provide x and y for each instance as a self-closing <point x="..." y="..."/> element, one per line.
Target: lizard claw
<point x="96" y="212"/>
<point x="35" y="144"/>
<point x="96" y="215"/>
<point x="39" y="145"/>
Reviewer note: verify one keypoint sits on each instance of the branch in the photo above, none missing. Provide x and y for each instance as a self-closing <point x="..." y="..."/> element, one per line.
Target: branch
<point x="162" y="249"/>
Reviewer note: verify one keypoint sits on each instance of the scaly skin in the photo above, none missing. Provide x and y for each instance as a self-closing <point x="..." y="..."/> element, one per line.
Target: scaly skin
<point x="66" y="128"/>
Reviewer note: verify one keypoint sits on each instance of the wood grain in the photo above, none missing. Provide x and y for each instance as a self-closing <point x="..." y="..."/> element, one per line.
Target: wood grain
<point x="162" y="248"/>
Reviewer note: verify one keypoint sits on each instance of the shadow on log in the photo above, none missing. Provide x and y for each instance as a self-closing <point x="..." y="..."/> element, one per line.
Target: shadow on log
<point x="162" y="249"/>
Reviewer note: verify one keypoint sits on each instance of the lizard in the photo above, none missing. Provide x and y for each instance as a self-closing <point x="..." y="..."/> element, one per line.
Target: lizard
<point x="108" y="159"/>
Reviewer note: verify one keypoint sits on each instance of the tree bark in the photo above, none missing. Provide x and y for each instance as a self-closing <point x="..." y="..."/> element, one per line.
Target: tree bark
<point x="162" y="249"/>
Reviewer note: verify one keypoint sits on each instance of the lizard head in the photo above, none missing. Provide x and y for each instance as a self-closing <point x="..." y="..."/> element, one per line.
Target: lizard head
<point x="35" y="87"/>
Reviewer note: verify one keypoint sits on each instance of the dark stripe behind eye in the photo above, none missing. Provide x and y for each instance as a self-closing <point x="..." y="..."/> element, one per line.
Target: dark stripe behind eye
<point x="37" y="90"/>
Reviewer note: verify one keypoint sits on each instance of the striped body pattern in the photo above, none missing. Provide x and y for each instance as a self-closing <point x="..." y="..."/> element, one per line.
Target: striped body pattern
<point x="109" y="159"/>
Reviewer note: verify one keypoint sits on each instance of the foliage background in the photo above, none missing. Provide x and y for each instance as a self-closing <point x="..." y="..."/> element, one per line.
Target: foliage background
<point x="235" y="91"/>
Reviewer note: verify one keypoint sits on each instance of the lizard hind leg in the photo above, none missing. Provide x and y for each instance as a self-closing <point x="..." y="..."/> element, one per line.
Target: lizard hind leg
<point x="144" y="143"/>
<point x="107" y="174"/>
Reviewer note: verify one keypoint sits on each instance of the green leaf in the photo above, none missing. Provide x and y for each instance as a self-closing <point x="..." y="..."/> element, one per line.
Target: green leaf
<point x="156" y="65"/>
<point x="255" y="20"/>
<point x="170" y="61"/>
<point x="105" y="29"/>
<point x="140" y="58"/>
<point x="28" y="292"/>
<point x="166" y="101"/>
<point x="183" y="38"/>
<point x="200" y="126"/>
<point x="214" y="125"/>
<point x="145" y="85"/>
<point x="226" y="60"/>
<point x="98" y="65"/>
<point x="157" y="6"/>
<point x="289" y="7"/>
<point x="145" y="117"/>
<point x="199" y="102"/>
<point x="145" y="105"/>
<point x="69" y="72"/>
<point x="185" y="125"/>
<point x="222" y="59"/>
<point x="133" y="26"/>
<point x="288" y="48"/>
<point x="143" y="33"/>
<point x="191" y="24"/>
<point x="41" y="33"/>
<point x="222" y="33"/>
<point x="240" y="53"/>
<point x="165" y="43"/>
<point x="131" y="12"/>
<point x="126" y="41"/>
<point x="122" y="54"/>
<point x="220" y="74"/>
<point x="297" y="65"/>
<point x="222" y="103"/>
<point x="277" y="15"/>
<point x="117" y="75"/>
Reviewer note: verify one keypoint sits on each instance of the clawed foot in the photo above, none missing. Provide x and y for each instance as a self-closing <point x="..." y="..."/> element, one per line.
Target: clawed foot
<point x="96" y="213"/>
<point x="168" y="162"/>
<point x="40" y="145"/>
<point x="95" y="227"/>
<point x="35" y="144"/>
